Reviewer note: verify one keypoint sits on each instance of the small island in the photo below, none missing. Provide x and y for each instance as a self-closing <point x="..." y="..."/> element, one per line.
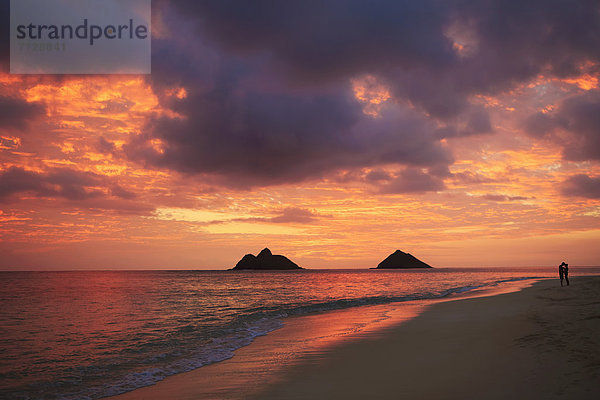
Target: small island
<point x="265" y="261"/>
<point x="400" y="259"/>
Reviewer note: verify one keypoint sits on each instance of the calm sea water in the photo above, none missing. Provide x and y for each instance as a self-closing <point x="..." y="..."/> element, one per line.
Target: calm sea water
<point x="86" y="335"/>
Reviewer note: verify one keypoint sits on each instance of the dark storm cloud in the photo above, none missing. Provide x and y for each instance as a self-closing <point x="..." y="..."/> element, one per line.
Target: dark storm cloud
<point x="72" y="185"/>
<point x="268" y="94"/>
<point x="408" y="42"/>
<point x="413" y="180"/>
<point x="105" y="146"/>
<point x="255" y="138"/>
<point x="266" y="135"/>
<point x="582" y="185"/>
<point x="15" y="113"/>
<point x="319" y="40"/>
<point x="580" y="117"/>
<point x="4" y="35"/>
<point x="83" y="190"/>
<point x="377" y="175"/>
<point x="119" y="191"/>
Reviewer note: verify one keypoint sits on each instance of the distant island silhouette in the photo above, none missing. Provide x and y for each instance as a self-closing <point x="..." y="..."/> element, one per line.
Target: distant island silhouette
<point x="265" y="261"/>
<point x="400" y="259"/>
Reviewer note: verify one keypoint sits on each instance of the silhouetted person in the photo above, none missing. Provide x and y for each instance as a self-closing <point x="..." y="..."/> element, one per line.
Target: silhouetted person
<point x="561" y="272"/>
<point x="566" y="272"/>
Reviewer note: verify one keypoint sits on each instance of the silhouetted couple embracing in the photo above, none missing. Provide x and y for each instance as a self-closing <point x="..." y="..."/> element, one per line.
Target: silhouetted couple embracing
<point x="563" y="272"/>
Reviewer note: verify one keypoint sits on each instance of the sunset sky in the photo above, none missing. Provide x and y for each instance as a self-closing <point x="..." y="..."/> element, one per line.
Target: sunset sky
<point x="464" y="132"/>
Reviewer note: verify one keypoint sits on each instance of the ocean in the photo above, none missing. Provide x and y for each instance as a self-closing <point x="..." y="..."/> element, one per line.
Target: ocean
<point x="92" y="334"/>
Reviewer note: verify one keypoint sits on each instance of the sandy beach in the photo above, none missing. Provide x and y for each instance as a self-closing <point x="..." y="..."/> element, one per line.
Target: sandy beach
<point x="538" y="343"/>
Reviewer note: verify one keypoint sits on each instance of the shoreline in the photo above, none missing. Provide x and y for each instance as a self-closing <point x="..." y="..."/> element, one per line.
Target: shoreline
<point x="538" y="343"/>
<point x="267" y="359"/>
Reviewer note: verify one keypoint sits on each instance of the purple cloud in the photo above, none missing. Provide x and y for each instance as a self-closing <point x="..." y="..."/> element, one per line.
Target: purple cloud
<point x="268" y="94"/>
<point x="581" y="185"/>
<point x="16" y="113"/>
<point x="579" y="116"/>
<point x="413" y="180"/>
<point x="81" y="189"/>
<point x="68" y="184"/>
